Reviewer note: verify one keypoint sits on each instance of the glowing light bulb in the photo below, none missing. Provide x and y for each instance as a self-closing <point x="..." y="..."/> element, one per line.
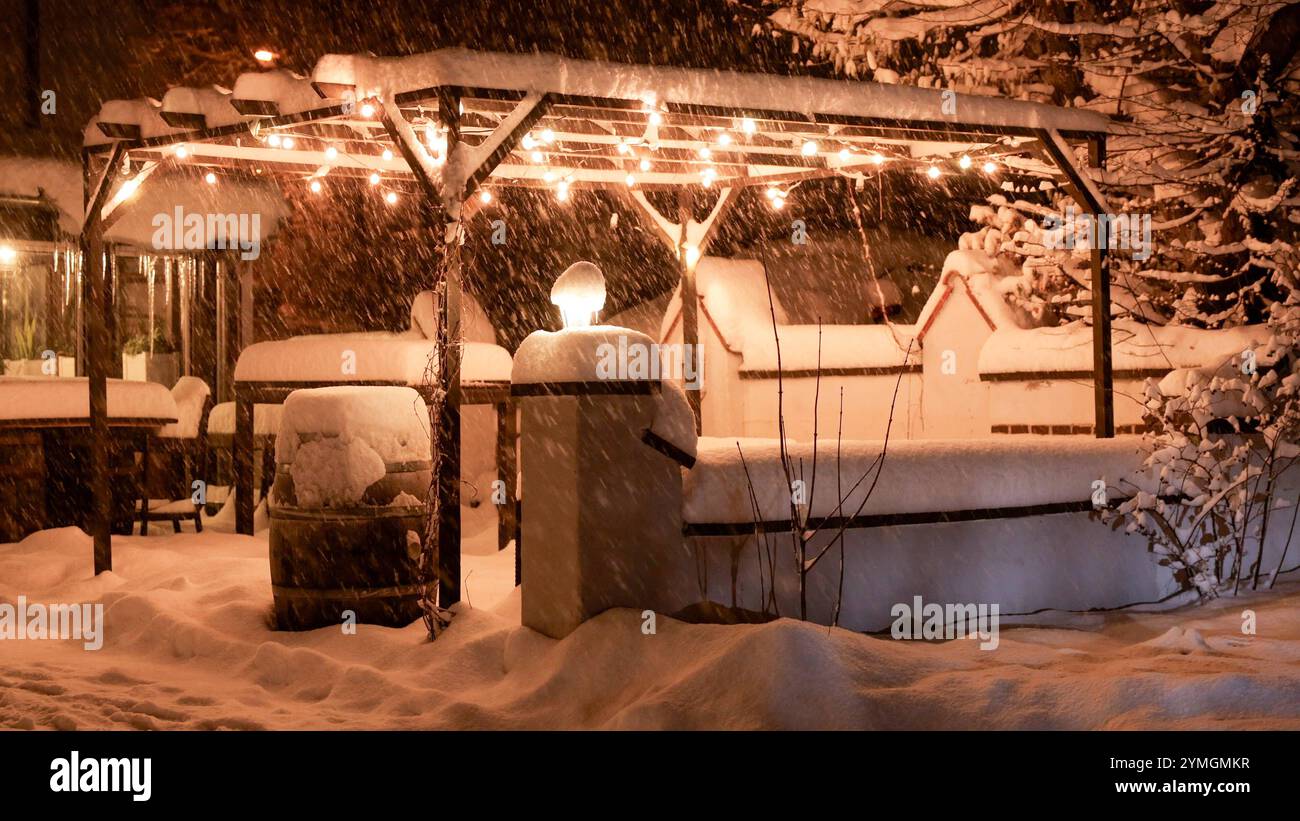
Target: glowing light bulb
<point x="705" y="153"/>
<point x="367" y="110"/>
<point x="485" y="196"/>
<point x="388" y="155"/>
<point x="990" y="167"/>
<point x="182" y="152"/>
<point x="273" y="141"/>
<point x="809" y="148"/>
<point x="724" y="139"/>
<point x="536" y="156"/>
<point x="210" y="178"/>
<point x="877" y="159"/>
<point x="964" y="162"/>
<point x="8" y="255"/>
<point x="747" y="126"/>
<point x="630" y="180"/>
<point x="529" y="142"/>
<point x="778" y="203"/>
<point x="645" y="165"/>
<point x="549" y="176"/>
<point x="331" y="152"/>
<point x="773" y="193"/>
<point x="624" y="148"/>
<point x="656" y="118"/>
<point x="391" y="198"/>
<point x="315" y="186"/>
<point x="374" y="178"/>
<point x="264" y="55"/>
<point x="933" y="172"/>
<point x="562" y="192"/>
<point x="287" y="142"/>
<point x="692" y="253"/>
<point x="548" y="136"/>
<point x="844" y="155"/>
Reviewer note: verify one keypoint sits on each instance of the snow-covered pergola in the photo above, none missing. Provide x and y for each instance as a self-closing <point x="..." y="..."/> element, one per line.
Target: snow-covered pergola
<point x="447" y="125"/>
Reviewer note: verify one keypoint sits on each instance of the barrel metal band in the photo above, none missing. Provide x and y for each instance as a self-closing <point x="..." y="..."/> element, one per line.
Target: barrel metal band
<point x="401" y="591"/>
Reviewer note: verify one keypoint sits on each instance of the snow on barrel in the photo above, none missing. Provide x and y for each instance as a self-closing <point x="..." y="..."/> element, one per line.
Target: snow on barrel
<point x="348" y="506"/>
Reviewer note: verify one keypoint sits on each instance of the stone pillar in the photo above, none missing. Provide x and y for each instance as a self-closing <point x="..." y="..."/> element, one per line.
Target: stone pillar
<point x="601" y="489"/>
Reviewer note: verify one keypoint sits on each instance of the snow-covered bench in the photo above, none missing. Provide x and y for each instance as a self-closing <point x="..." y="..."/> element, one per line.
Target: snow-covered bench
<point x="267" y="372"/>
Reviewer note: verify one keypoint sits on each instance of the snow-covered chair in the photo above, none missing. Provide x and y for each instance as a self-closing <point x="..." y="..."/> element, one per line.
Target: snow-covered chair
<point x="180" y="450"/>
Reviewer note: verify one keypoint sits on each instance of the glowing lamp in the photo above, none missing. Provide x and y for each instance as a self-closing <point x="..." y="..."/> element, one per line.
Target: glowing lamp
<point x="210" y="178"/>
<point x="692" y="255"/>
<point x="990" y="167"/>
<point x="8" y="255"/>
<point x="315" y="186"/>
<point x="264" y="55"/>
<point x="579" y="293"/>
<point x="964" y="162"/>
<point x="367" y="110"/>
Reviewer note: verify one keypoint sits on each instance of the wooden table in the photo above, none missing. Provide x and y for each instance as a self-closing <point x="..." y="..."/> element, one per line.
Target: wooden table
<point x="63" y="469"/>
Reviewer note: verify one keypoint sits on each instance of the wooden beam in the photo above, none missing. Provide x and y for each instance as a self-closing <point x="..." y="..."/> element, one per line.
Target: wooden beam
<point x="1102" y="364"/>
<point x="97" y="352"/>
<point x="507" y="136"/>
<point x="449" y="353"/>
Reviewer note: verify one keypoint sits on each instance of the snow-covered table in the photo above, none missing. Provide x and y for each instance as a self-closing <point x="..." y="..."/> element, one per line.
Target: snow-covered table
<point x="267" y="372"/>
<point x="38" y="402"/>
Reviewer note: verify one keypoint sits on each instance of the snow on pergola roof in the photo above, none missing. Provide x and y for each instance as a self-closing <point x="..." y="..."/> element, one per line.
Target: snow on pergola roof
<point x="603" y="124"/>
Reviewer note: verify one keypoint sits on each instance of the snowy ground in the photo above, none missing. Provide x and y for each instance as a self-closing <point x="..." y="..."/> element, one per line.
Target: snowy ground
<point x="188" y="646"/>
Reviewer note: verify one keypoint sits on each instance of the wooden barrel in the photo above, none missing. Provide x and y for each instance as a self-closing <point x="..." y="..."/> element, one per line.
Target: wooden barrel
<point x="364" y="559"/>
<point x="22" y="484"/>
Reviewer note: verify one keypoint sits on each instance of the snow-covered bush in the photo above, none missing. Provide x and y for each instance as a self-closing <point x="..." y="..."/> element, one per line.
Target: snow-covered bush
<point x="1207" y="88"/>
<point x="1222" y="439"/>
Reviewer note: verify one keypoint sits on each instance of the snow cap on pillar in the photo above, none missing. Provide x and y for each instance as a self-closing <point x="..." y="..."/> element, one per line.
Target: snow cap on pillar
<point x="580" y="294"/>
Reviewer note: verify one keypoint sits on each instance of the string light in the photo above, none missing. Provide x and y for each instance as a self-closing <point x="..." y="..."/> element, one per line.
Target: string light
<point x="331" y="152"/>
<point x="273" y="141"/>
<point x="485" y="196"/>
<point x="287" y="142"/>
<point x="877" y="159"/>
<point x="630" y="180"/>
<point x="391" y="198"/>
<point x="773" y="193"/>
<point x="367" y="110"/>
<point x="705" y="153"/>
<point x="529" y="142"/>
<point x="549" y="176"/>
<point x="933" y="172"/>
<point x="707" y="176"/>
<point x="624" y="148"/>
<point x="315" y="186"/>
<point x="747" y="126"/>
<point x="210" y="178"/>
<point x="990" y="167"/>
<point x="645" y="164"/>
<point x="964" y="162"/>
<point x="809" y="148"/>
<point x="844" y="155"/>
<point x="536" y="156"/>
<point x="374" y="178"/>
<point x="182" y="152"/>
<point x="656" y="118"/>
<point x="388" y="155"/>
<point x="264" y="55"/>
<point x="548" y="136"/>
<point x="778" y="203"/>
<point x="724" y="139"/>
<point x="562" y="191"/>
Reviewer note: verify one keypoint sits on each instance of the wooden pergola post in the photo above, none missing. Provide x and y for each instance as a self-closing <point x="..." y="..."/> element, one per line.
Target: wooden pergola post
<point x="97" y="351"/>
<point x="690" y="297"/>
<point x="1088" y="196"/>
<point x="1102" y="363"/>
